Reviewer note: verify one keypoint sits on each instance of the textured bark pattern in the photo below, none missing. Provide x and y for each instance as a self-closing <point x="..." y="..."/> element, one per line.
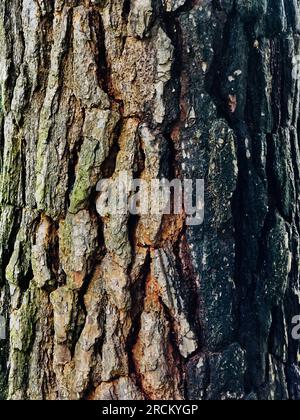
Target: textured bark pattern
<point x="128" y="307"/>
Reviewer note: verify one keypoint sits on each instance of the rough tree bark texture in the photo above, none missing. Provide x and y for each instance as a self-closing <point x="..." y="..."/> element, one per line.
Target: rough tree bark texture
<point x="147" y="307"/>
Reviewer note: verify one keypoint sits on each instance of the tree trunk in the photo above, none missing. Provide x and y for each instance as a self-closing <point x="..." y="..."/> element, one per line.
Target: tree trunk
<point x="149" y="307"/>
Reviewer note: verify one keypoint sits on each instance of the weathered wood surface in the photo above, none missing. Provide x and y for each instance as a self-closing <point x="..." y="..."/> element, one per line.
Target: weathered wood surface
<point x="135" y="307"/>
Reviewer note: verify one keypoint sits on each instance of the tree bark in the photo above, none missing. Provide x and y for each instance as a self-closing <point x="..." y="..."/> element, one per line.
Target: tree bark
<point x="144" y="307"/>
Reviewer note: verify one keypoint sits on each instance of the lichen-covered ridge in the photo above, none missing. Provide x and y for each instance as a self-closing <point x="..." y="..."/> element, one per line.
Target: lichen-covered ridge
<point x="127" y="307"/>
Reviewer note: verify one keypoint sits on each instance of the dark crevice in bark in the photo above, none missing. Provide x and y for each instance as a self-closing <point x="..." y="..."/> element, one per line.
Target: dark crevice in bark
<point x="23" y="368"/>
<point x="8" y="30"/>
<point x="53" y="258"/>
<point x="109" y="165"/>
<point x="139" y="160"/>
<point x="23" y="172"/>
<point x="132" y="226"/>
<point x="10" y="243"/>
<point x="187" y="273"/>
<point x="171" y="158"/>
<point x="101" y="241"/>
<point x="186" y="7"/>
<point x="1" y="134"/>
<point x="80" y="314"/>
<point x="126" y="10"/>
<point x="46" y="41"/>
<point x="173" y="339"/>
<point x="26" y="279"/>
<point x="138" y="293"/>
<point x="73" y="161"/>
<point x="103" y="73"/>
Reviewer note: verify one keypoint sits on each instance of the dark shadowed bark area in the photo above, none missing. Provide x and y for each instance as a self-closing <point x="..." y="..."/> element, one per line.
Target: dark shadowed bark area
<point x="148" y="307"/>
